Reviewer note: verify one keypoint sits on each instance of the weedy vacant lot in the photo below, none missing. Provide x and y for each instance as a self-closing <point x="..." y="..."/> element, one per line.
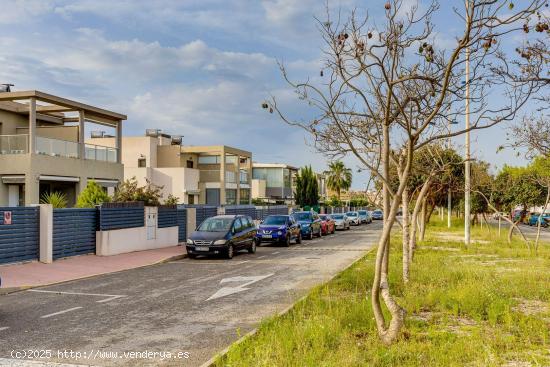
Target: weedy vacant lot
<point x="486" y="305"/>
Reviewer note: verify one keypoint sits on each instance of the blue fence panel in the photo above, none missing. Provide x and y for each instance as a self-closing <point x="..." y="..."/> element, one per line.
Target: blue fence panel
<point x="167" y="216"/>
<point x="74" y="232"/>
<point x="241" y="210"/>
<point x="181" y="215"/>
<point x="121" y="215"/>
<point x="261" y="213"/>
<point x="20" y="240"/>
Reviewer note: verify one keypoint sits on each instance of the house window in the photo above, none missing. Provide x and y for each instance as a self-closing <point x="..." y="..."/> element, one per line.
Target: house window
<point x="191" y="199"/>
<point x="231" y="196"/>
<point x="189" y="164"/>
<point x="142" y="162"/>
<point x="209" y="159"/>
<point x="245" y="197"/>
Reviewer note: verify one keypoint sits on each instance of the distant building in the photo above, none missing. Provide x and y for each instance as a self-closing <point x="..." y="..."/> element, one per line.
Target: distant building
<point x="42" y="148"/>
<point x="213" y="175"/>
<point x="274" y="182"/>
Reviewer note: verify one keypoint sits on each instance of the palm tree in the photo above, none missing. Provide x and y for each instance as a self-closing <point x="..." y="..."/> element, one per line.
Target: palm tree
<point x="338" y="177"/>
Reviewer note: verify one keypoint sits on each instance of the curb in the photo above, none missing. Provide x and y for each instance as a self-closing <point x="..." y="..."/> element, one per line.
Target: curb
<point x="6" y="291"/>
<point x="223" y="352"/>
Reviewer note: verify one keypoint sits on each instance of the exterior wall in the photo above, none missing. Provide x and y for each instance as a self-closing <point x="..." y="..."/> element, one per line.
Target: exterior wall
<point x="133" y="148"/>
<point x="258" y="189"/>
<point x="10" y="121"/>
<point x="67" y="133"/>
<point x="33" y="165"/>
<point x="169" y="156"/>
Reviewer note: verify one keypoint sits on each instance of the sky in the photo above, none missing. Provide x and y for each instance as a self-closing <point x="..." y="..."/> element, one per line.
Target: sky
<point x="198" y="68"/>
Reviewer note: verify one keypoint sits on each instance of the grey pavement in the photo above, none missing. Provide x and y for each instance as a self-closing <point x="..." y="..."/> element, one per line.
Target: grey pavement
<point x="179" y="313"/>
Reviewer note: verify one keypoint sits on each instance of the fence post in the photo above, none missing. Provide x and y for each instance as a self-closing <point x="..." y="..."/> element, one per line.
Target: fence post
<point x="46" y="233"/>
<point x="191" y="220"/>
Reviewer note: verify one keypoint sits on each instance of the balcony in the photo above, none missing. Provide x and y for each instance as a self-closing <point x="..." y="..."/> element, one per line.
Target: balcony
<point x="230" y="177"/>
<point x="19" y="144"/>
<point x="14" y="144"/>
<point x="100" y="153"/>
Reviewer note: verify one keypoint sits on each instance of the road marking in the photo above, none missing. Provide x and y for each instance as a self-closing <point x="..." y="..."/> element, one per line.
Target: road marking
<point x="60" y="312"/>
<point x="4" y="328"/>
<point x="261" y="257"/>
<point x="276" y="252"/>
<point x="226" y="291"/>
<point x="110" y="297"/>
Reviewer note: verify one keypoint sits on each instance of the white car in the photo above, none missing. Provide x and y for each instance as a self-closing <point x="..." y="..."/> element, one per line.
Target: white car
<point x="354" y="218"/>
<point x="341" y="221"/>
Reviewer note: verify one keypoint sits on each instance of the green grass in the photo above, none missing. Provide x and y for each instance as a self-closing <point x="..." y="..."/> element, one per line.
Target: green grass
<point x="462" y="307"/>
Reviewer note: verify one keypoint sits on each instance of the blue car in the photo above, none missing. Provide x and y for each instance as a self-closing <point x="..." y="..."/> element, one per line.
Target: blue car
<point x="534" y="220"/>
<point x="310" y="224"/>
<point x="279" y="228"/>
<point x="377" y="214"/>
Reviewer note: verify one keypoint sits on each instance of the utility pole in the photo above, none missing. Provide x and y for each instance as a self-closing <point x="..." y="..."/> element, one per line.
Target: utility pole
<point x="449" y="195"/>
<point x="467" y="185"/>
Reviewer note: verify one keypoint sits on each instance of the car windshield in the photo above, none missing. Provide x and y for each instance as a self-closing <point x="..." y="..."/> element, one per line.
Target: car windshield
<point x="377" y="212"/>
<point x="216" y="225"/>
<point x="351" y="214"/>
<point x="324" y="217"/>
<point x="302" y="216"/>
<point x="275" y="220"/>
<point x="363" y="212"/>
<point x="338" y="216"/>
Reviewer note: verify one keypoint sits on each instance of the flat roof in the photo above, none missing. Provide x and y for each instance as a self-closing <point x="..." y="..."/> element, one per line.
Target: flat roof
<point x="214" y="149"/>
<point x="56" y="106"/>
<point x="273" y="165"/>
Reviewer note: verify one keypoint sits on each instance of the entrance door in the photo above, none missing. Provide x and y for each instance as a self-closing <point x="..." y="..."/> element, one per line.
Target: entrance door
<point x="213" y="197"/>
<point x="13" y="195"/>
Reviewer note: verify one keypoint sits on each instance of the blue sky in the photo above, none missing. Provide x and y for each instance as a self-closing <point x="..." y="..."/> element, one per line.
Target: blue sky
<point x="197" y="68"/>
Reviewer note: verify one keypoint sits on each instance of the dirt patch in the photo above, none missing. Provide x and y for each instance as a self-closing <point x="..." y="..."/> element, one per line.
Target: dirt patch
<point x="530" y="306"/>
<point x="517" y="364"/>
<point x="453" y="237"/>
<point x="476" y="255"/>
<point x="436" y="248"/>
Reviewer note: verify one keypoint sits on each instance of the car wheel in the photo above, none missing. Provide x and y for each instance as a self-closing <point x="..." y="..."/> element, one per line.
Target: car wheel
<point x="252" y="248"/>
<point x="310" y="235"/>
<point x="287" y="241"/>
<point x="320" y="233"/>
<point x="230" y="252"/>
<point x="299" y="238"/>
<point x="333" y="230"/>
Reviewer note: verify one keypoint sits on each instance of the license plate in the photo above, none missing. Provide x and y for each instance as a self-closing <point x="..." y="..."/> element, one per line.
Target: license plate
<point x="202" y="248"/>
<point x="267" y="236"/>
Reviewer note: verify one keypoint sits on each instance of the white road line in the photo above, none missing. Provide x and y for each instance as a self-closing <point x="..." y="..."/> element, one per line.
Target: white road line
<point x="60" y="312"/>
<point x="276" y="252"/>
<point x="261" y="257"/>
<point x="4" y="328"/>
<point x="110" y="297"/>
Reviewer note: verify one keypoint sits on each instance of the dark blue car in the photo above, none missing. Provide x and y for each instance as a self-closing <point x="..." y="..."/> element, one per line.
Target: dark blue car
<point x="310" y="224"/>
<point x="279" y="228"/>
<point x="377" y="214"/>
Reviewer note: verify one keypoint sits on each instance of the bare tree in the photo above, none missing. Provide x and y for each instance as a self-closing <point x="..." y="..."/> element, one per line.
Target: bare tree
<point x="387" y="91"/>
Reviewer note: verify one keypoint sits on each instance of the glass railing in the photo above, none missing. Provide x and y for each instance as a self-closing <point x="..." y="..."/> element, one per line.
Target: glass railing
<point x="14" y="144"/>
<point x="100" y="153"/>
<point x="56" y="147"/>
<point x="230" y="177"/>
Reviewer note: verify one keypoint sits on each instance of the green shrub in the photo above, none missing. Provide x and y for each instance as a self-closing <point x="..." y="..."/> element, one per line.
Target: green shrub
<point x="56" y="199"/>
<point x="92" y="195"/>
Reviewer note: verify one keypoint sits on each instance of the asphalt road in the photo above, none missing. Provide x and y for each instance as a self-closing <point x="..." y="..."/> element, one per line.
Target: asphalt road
<point x="528" y="231"/>
<point x="189" y="308"/>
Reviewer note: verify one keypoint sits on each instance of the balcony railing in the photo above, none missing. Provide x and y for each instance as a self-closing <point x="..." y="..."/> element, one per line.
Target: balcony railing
<point x="14" y="144"/>
<point x="56" y="147"/>
<point x="230" y="177"/>
<point x="100" y="153"/>
<point x="210" y="175"/>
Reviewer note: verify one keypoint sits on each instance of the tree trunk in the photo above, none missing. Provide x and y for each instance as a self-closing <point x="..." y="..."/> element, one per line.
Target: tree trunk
<point x="539" y="222"/>
<point x="423" y="215"/>
<point x="414" y="216"/>
<point x="406" y="256"/>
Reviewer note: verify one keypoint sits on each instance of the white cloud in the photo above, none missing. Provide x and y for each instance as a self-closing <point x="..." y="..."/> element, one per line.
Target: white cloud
<point x="20" y="11"/>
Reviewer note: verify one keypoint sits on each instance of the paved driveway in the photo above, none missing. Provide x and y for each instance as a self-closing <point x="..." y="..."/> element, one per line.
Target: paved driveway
<point x="189" y="308"/>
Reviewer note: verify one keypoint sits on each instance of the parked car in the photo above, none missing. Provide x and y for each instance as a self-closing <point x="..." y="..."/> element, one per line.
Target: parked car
<point x="341" y="221"/>
<point x="377" y="214"/>
<point x="310" y="224"/>
<point x="327" y="224"/>
<point x="354" y="218"/>
<point x="534" y="220"/>
<point x="279" y="228"/>
<point x="365" y="217"/>
<point x="223" y="235"/>
<point x="518" y="214"/>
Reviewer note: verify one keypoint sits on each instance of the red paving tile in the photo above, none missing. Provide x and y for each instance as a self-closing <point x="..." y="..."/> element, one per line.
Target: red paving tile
<point x="35" y="274"/>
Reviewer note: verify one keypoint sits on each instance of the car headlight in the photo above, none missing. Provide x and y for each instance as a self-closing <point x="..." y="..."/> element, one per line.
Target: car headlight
<point x="189" y="242"/>
<point x="280" y="233"/>
<point x="220" y="242"/>
<point x="305" y="225"/>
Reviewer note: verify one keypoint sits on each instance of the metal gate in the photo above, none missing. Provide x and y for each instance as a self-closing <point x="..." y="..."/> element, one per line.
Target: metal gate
<point x="74" y="232"/>
<point x="19" y="234"/>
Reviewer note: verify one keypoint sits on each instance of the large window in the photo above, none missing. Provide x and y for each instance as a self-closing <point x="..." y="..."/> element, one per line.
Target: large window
<point x="209" y="159"/>
<point x="243" y="174"/>
<point x="231" y="196"/>
<point x="287" y="178"/>
<point x="231" y="159"/>
<point x="245" y="197"/>
<point x="272" y="176"/>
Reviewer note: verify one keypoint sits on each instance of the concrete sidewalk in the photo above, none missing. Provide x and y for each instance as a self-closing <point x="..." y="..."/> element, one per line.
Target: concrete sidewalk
<point x="35" y="274"/>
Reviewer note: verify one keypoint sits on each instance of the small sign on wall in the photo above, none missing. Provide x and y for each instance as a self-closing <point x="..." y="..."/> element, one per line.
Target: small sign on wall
<point x="7" y="217"/>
